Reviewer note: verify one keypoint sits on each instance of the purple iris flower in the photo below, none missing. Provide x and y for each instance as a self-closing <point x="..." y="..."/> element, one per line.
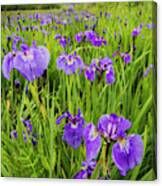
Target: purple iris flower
<point x="86" y="170"/>
<point x="112" y="126"/>
<point x="73" y="129"/>
<point x="13" y="134"/>
<point x="136" y="32"/>
<point x="90" y="35"/>
<point x="151" y="66"/>
<point x="34" y="141"/>
<point x="105" y="63"/>
<point x="37" y="16"/>
<point x="92" y="142"/>
<point x="17" y="83"/>
<point x="90" y="71"/>
<point x="43" y="22"/>
<point x="28" y="125"/>
<point x="63" y="42"/>
<point x="79" y="36"/>
<point x="24" y="137"/>
<point x="110" y="75"/>
<point x="30" y="62"/>
<point x="69" y="63"/>
<point x="126" y="57"/>
<point x="127" y="153"/>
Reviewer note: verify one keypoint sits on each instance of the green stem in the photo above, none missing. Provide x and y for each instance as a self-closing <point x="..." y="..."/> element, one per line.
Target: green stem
<point x="23" y="98"/>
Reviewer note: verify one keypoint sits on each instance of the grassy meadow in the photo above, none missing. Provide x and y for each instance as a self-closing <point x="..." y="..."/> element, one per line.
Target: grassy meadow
<point x="43" y="100"/>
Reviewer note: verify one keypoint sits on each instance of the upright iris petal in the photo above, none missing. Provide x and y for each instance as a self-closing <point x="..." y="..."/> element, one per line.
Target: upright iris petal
<point x="127" y="153"/>
<point x="92" y="142"/>
<point x="112" y="126"/>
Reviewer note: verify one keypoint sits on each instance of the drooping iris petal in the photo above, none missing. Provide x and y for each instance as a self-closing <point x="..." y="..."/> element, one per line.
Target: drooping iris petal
<point x="73" y="134"/>
<point x="92" y="142"/>
<point x="127" y="153"/>
<point x="8" y="64"/>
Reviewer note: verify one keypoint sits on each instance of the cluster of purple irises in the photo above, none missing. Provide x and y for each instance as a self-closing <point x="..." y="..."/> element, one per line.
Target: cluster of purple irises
<point x="27" y="135"/>
<point x="87" y="36"/>
<point x="92" y="37"/>
<point x="73" y="62"/>
<point x="127" y="150"/>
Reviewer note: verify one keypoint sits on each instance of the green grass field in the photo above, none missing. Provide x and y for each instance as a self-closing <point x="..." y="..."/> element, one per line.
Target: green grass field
<point x="132" y="95"/>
